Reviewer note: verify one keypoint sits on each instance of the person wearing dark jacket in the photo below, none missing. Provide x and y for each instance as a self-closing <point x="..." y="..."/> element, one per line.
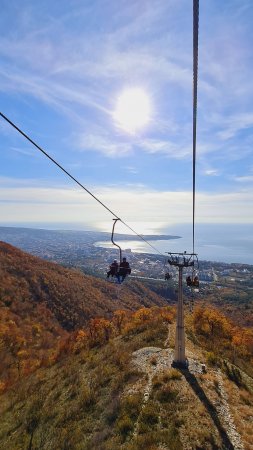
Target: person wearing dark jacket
<point x="124" y="270"/>
<point x="114" y="267"/>
<point x="189" y="281"/>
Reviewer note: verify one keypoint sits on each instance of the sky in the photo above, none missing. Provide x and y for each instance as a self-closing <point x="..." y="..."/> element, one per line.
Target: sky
<point x="64" y="66"/>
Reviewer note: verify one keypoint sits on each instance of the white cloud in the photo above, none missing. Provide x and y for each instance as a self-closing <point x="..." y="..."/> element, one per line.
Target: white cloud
<point x="172" y="149"/>
<point x="104" y="144"/>
<point x="131" y="169"/>
<point x="244" y="179"/>
<point x="41" y="204"/>
<point x="235" y="123"/>
<point x="58" y="66"/>
<point x="24" y="151"/>
<point x="144" y="42"/>
<point x="212" y="172"/>
<point x="54" y="93"/>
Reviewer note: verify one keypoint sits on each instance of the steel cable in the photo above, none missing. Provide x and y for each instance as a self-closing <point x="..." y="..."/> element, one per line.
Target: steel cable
<point x="75" y="180"/>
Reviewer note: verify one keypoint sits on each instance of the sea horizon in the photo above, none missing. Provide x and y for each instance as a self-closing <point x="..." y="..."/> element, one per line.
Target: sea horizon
<point x="219" y="243"/>
<point x="228" y="243"/>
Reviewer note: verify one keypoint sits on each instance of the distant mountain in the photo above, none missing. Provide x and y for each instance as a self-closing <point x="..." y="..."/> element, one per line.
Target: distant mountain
<point x="22" y="236"/>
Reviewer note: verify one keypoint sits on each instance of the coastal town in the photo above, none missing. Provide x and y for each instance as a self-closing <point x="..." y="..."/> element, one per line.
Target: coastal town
<point x="80" y="250"/>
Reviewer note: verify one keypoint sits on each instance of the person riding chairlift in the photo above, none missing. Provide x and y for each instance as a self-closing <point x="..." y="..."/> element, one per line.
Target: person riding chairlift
<point x="114" y="267"/>
<point x="194" y="282"/>
<point x="124" y="270"/>
<point x="189" y="281"/>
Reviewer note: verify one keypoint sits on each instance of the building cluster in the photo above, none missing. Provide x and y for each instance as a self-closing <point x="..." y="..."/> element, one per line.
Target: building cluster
<point x="82" y="250"/>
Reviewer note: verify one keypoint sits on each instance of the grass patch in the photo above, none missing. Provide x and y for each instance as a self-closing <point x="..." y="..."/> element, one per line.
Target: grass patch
<point x="149" y="415"/>
<point x="124" y="426"/>
<point x="166" y="395"/>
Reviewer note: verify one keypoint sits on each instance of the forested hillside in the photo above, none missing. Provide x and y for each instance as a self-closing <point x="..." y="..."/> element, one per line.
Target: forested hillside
<point x="42" y="302"/>
<point x="112" y="387"/>
<point x="72" y="297"/>
<point x="85" y="365"/>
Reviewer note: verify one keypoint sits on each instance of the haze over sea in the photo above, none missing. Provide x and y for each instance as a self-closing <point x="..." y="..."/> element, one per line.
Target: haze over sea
<point x="231" y="243"/>
<point x="215" y="242"/>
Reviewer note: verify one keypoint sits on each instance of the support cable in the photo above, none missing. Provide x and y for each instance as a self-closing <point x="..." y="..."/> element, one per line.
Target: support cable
<point x="75" y="180"/>
<point x="195" y="98"/>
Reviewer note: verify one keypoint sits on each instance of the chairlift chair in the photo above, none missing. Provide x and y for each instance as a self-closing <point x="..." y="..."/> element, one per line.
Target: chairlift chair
<point x="122" y="270"/>
<point x="193" y="279"/>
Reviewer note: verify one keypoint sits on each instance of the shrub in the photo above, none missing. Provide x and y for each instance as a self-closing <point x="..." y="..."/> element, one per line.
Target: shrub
<point x="233" y="373"/>
<point x="104" y="375"/>
<point x="124" y="426"/>
<point x="112" y="411"/>
<point x="165" y="377"/>
<point x="98" y="439"/>
<point x="171" y="374"/>
<point x="131" y="405"/>
<point x="87" y="397"/>
<point x="150" y="440"/>
<point x="157" y="381"/>
<point x="166" y="395"/>
<point x="212" y="359"/>
<point x="149" y="415"/>
<point x="246" y="398"/>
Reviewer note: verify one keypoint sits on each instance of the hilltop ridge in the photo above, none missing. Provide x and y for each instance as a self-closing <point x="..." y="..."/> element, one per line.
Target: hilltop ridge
<point x="117" y="391"/>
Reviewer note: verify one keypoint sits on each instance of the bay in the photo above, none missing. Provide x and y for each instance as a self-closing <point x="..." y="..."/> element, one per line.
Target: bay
<point x="213" y="242"/>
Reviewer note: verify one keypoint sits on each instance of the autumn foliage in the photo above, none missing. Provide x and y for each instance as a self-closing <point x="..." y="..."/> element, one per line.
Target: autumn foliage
<point x="72" y="297"/>
<point x="46" y="310"/>
<point x="23" y="350"/>
<point x="223" y="337"/>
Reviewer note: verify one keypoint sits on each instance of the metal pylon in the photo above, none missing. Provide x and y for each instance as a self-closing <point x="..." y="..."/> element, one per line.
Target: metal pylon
<point x="180" y="260"/>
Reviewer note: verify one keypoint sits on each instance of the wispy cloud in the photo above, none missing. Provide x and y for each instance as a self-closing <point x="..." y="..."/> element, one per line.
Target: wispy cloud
<point x="172" y="149"/>
<point x="131" y="169"/>
<point x="244" y="178"/>
<point x="75" y="63"/>
<point x="35" y="203"/>
<point x="235" y="124"/>
<point x="24" y="151"/>
<point x="104" y="144"/>
<point x="212" y="172"/>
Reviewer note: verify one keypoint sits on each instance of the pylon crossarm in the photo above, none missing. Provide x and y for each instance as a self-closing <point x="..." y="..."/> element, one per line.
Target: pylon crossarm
<point x="182" y="259"/>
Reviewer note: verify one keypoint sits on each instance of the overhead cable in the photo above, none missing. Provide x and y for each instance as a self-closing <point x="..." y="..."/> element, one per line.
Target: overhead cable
<point x="195" y="99"/>
<point x="75" y="180"/>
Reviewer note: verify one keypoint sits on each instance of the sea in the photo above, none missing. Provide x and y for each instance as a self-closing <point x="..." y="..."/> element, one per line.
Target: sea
<point x="229" y="243"/>
<point x="215" y="242"/>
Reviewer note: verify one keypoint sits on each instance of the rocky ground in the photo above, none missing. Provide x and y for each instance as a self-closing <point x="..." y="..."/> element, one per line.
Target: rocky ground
<point x="153" y="360"/>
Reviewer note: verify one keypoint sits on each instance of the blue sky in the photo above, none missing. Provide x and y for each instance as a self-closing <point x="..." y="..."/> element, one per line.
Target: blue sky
<point x="63" y="66"/>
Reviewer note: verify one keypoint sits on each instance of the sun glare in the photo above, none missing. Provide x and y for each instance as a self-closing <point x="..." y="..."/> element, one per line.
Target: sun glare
<point x="132" y="110"/>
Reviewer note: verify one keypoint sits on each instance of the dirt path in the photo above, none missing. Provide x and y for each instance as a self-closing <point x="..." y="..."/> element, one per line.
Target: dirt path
<point x="223" y="409"/>
<point x="152" y="360"/>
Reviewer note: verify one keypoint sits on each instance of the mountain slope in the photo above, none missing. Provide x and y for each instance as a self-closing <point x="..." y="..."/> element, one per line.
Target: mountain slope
<point x="71" y="296"/>
<point x="123" y="395"/>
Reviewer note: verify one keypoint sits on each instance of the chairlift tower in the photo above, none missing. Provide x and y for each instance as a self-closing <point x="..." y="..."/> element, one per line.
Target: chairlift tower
<point x="180" y="260"/>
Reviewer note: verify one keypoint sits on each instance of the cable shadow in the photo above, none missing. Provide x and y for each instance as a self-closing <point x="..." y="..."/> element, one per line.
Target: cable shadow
<point x="193" y="382"/>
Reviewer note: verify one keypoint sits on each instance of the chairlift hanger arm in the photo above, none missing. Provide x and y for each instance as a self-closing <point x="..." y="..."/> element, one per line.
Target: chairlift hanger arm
<point x="114" y="243"/>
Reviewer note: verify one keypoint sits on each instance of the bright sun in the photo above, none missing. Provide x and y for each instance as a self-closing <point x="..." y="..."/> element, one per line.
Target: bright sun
<point x="132" y="110"/>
